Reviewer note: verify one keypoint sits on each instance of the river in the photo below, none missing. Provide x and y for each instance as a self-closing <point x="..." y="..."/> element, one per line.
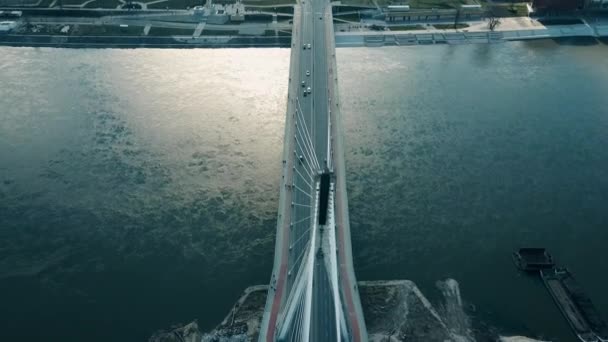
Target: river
<point x="138" y="188"/>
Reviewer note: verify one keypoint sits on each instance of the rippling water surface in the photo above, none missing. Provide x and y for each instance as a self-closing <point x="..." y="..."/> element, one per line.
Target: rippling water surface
<point x="459" y="154"/>
<point x="138" y="188"/>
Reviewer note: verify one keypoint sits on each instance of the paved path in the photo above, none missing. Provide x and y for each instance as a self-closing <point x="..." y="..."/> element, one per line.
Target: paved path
<point x="521" y="28"/>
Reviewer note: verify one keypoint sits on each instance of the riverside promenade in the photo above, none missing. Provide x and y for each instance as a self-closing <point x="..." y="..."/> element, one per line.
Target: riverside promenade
<point x="509" y="29"/>
<point x="190" y="34"/>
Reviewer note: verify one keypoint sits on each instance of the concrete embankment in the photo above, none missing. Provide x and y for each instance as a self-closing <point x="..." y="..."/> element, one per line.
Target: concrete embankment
<point x="139" y="42"/>
<point x="394" y="310"/>
<point x="457" y="38"/>
<point x="512" y="29"/>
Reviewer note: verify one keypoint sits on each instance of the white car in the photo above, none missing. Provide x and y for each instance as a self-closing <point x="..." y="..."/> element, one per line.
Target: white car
<point x="307" y="72"/>
<point x="308" y="46"/>
<point x="308" y="90"/>
<point x="303" y="84"/>
<point x="305" y="93"/>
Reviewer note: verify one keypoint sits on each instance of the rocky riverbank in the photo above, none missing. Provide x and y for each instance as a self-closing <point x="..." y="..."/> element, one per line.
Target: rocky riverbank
<point x="394" y="311"/>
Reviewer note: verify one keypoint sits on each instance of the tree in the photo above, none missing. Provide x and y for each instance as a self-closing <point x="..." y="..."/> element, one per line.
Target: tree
<point x="493" y="20"/>
<point x="457" y="19"/>
<point x="512" y="8"/>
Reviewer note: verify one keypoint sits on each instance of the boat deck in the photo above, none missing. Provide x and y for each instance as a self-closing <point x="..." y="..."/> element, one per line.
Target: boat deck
<point x="575" y="305"/>
<point x="533" y="259"/>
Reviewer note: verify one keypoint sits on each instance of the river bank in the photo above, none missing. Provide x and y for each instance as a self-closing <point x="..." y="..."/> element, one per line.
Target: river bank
<point x="143" y="42"/>
<point x="510" y="29"/>
<point x="395" y="310"/>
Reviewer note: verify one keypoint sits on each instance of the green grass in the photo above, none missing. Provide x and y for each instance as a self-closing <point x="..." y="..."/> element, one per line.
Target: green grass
<point x="220" y="33"/>
<point x="260" y="18"/>
<point x="279" y="33"/>
<point x="450" y="26"/>
<point x="349" y="17"/>
<point x="414" y="4"/>
<point x="519" y="9"/>
<point x="281" y="9"/>
<point x="103" y="4"/>
<point x="106" y="30"/>
<point x="439" y="4"/>
<point x="336" y="10"/>
<point x="406" y="27"/>
<point x="508" y="10"/>
<point x="177" y="4"/>
<point x="45" y="3"/>
<point x="268" y="2"/>
<point x="367" y="3"/>
<point x="70" y="2"/>
<point x="170" y="31"/>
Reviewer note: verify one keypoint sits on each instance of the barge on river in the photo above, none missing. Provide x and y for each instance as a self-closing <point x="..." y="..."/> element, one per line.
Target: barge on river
<point x="575" y="305"/>
<point x="532" y="259"/>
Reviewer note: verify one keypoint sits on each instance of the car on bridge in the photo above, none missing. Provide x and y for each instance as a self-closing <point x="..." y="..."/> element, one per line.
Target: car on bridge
<point x="308" y="90"/>
<point x="307" y="72"/>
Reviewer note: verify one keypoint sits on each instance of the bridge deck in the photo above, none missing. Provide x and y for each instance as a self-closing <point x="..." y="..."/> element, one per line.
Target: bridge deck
<point x="313" y="144"/>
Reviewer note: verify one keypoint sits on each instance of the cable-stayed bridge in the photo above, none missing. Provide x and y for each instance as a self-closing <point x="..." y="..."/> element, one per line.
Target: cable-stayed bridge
<point x="313" y="294"/>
